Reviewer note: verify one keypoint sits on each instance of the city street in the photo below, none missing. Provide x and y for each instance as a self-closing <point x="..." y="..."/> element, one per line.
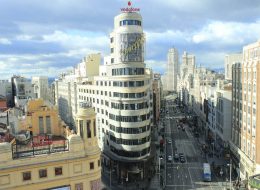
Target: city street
<point x="188" y="175"/>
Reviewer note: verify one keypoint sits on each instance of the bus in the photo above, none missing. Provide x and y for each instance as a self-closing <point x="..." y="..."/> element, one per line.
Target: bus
<point x="206" y="172"/>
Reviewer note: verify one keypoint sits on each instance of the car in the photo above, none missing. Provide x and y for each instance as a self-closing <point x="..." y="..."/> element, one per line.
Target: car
<point x="181" y="155"/>
<point x="182" y="160"/>
<point x="176" y="157"/>
<point x="178" y="127"/>
<point x="169" y="158"/>
<point x="169" y="141"/>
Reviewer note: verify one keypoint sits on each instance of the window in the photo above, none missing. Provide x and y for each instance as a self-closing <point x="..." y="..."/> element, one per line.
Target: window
<point x="98" y="163"/>
<point x="48" y="124"/>
<point x="112" y="50"/>
<point x="111" y="40"/>
<point x="94" y="126"/>
<point x="27" y="176"/>
<point x="58" y="171"/>
<point x="91" y="165"/>
<point x="88" y="129"/>
<point x="41" y="129"/>
<point x="81" y="128"/>
<point x="112" y="60"/>
<point x="42" y="173"/>
<point x="79" y="186"/>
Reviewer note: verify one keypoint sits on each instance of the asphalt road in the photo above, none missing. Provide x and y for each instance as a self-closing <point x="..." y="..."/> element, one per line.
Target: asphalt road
<point x="188" y="175"/>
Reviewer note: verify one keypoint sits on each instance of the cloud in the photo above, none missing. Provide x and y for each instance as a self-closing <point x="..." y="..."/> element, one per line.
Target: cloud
<point x="48" y="37"/>
<point x="227" y="33"/>
<point x="5" y="41"/>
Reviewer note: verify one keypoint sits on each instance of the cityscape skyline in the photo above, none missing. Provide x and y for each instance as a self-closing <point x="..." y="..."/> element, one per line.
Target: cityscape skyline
<point x="46" y="38"/>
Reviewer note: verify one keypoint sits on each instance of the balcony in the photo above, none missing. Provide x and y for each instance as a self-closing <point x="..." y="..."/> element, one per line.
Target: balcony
<point x="39" y="145"/>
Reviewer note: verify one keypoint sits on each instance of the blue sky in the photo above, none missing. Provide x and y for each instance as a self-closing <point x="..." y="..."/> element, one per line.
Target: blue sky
<point x="51" y="36"/>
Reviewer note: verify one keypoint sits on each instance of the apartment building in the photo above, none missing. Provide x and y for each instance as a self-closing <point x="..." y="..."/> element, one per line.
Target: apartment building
<point x="231" y="59"/>
<point x="22" y="91"/>
<point x="6" y="91"/>
<point x="65" y="88"/>
<point x="41" y="87"/>
<point x="245" y="136"/>
<point x="48" y="155"/>
<point x="157" y="93"/>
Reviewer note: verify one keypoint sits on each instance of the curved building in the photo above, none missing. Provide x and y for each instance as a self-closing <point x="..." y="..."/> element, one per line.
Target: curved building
<point x="130" y="110"/>
<point x="123" y="100"/>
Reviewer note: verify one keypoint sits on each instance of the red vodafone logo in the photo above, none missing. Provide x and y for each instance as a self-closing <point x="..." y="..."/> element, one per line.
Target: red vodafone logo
<point x="129" y="8"/>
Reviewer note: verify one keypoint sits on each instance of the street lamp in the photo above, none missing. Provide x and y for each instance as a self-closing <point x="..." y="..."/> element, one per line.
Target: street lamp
<point x="230" y="174"/>
<point x="221" y="173"/>
<point x="160" y="158"/>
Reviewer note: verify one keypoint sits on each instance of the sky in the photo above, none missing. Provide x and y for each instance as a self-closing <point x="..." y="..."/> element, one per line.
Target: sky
<point x="51" y="36"/>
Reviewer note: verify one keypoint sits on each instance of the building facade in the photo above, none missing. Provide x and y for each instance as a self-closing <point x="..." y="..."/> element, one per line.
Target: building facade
<point x="172" y="70"/>
<point x="157" y="93"/>
<point x="55" y="159"/>
<point x="41" y="87"/>
<point x="65" y="88"/>
<point x="231" y="59"/>
<point x="122" y="97"/>
<point x="22" y="91"/>
<point x="245" y="134"/>
<point x="6" y="91"/>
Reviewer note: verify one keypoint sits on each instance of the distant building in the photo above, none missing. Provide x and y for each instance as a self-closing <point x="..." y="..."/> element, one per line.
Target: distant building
<point x="41" y="87"/>
<point x="172" y="70"/>
<point x="52" y="156"/>
<point x="3" y="103"/>
<point x="231" y="59"/>
<point x="6" y="91"/>
<point x="157" y="93"/>
<point x="65" y="90"/>
<point x="22" y="91"/>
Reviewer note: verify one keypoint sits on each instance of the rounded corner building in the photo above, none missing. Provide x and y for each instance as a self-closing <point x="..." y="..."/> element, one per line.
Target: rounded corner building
<point x="127" y="144"/>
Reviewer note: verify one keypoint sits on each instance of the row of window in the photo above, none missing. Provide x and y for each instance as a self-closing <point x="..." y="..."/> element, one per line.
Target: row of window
<point x="135" y="130"/>
<point x="130" y="22"/>
<point x="130" y="154"/>
<point x="129" y="95"/>
<point x="127" y="71"/>
<point x="116" y="95"/>
<point x="121" y="118"/>
<point x="128" y="83"/>
<point x="136" y="106"/>
<point x="58" y="171"/>
<point x="129" y="141"/>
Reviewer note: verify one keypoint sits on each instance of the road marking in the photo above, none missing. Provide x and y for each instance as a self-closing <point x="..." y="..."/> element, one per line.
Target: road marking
<point x="191" y="178"/>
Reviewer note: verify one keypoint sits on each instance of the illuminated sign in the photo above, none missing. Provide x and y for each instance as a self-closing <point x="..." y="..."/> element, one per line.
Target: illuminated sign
<point x="129" y="8"/>
<point x="131" y="47"/>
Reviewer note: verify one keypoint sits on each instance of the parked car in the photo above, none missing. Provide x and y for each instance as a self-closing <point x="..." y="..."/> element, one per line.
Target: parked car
<point x="169" y="141"/>
<point x="176" y="157"/>
<point x="182" y="160"/>
<point x="169" y="158"/>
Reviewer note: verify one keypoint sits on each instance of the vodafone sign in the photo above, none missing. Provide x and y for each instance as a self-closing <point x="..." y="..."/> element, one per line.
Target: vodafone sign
<point x="129" y="8"/>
